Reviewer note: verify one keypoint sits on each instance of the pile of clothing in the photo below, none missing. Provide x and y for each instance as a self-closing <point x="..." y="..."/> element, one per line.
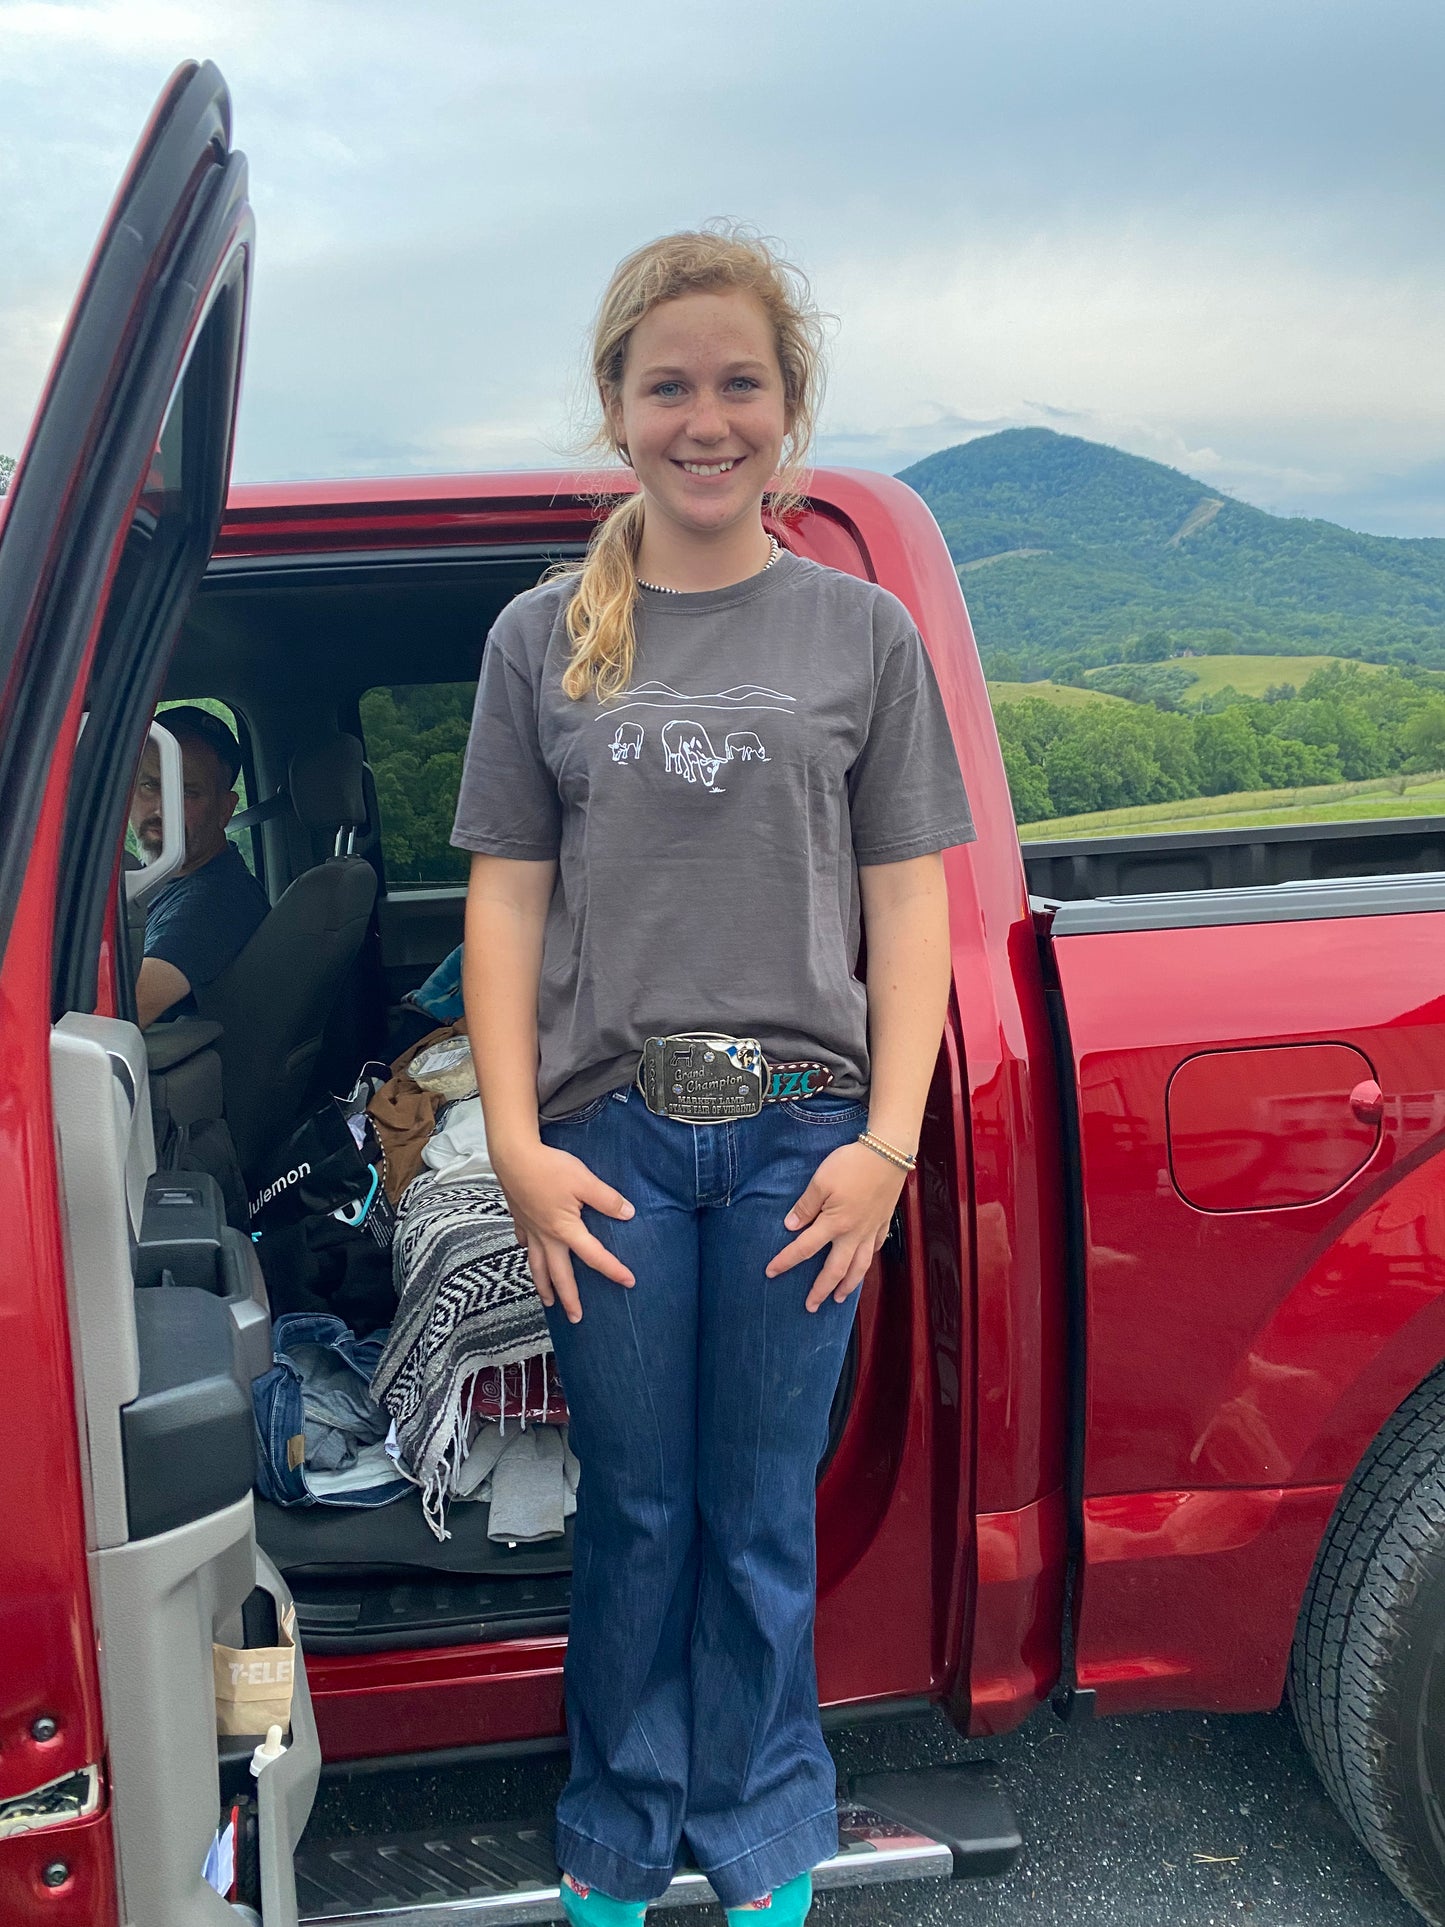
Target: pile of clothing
<point x="321" y="1434"/>
<point x="458" y="1394"/>
<point x="467" y="1374"/>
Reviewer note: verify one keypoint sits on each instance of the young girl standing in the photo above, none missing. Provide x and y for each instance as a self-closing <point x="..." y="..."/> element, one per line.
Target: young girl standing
<point x="694" y="764"/>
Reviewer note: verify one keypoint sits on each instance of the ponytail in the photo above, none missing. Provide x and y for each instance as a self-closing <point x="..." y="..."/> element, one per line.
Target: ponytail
<point x="599" y="616"/>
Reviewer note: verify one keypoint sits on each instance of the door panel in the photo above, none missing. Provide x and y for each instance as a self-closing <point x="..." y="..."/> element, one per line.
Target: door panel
<point x="163" y="1386"/>
<point x="1204" y="1332"/>
<point x="102" y="1111"/>
<point x="158" y="1602"/>
<point x="287" y="1787"/>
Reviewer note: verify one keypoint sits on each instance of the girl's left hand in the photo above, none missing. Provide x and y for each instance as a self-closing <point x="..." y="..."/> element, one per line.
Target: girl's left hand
<point x="849" y="1204"/>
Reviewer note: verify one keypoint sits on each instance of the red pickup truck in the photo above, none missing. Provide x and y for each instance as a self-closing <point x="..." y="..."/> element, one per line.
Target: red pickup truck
<point x="1145" y="1405"/>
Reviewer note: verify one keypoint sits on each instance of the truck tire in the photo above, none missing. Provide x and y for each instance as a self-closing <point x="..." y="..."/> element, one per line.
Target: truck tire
<point x="1367" y="1673"/>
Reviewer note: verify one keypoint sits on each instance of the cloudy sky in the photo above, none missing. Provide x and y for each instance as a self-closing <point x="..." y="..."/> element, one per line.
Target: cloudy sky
<point x="1208" y="233"/>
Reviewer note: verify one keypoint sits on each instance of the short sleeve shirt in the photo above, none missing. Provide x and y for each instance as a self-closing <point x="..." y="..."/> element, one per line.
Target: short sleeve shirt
<point x="708" y="823"/>
<point x="202" y="922"/>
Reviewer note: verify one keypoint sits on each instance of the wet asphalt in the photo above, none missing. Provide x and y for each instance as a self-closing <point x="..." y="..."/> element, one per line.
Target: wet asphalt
<point x="1181" y="1820"/>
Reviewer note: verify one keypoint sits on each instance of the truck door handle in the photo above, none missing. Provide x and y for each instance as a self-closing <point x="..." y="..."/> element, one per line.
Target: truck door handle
<point x="1367" y="1101"/>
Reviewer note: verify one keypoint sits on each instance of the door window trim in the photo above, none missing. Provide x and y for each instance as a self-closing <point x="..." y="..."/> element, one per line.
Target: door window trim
<point x="126" y="681"/>
<point x="181" y="209"/>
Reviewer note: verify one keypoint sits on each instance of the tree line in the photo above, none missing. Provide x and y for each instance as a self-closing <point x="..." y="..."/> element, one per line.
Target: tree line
<point x="1344" y="724"/>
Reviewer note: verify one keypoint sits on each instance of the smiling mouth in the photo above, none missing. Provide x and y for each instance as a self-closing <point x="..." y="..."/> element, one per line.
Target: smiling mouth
<point x="711" y="468"/>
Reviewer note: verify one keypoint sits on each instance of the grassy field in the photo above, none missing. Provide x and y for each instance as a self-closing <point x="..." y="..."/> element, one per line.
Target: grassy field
<point x="1252" y="675"/>
<point x="1252" y="809"/>
<point x="1049" y="692"/>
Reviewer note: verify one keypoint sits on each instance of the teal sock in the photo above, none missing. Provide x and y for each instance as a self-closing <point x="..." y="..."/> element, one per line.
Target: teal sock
<point x="786" y="1906"/>
<point x="590" y="1907"/>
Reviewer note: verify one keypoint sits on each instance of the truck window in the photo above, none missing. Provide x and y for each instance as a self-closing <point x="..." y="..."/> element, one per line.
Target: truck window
<point x="416" y="736"/>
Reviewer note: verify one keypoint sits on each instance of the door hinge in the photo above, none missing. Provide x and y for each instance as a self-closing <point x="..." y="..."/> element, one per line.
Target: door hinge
<point x="74" y="1796"/>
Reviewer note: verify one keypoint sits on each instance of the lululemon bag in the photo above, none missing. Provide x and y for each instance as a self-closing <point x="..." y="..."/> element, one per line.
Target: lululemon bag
<point x="331" y="1165"/>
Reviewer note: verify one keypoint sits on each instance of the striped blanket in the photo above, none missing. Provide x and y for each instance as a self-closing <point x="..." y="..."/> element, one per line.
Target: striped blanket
<point x="466" y="1303"/>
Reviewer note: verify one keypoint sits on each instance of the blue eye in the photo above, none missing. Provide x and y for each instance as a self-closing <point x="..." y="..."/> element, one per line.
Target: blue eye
<point x="744" y="381"/>
<point x="664" y="385"/>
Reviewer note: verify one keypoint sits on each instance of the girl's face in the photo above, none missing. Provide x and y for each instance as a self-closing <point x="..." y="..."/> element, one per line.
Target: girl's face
<point x="701" y="410"/>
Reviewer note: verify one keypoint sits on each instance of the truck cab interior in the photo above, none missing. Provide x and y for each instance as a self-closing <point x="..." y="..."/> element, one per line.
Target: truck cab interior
<point x="350" y="690"/>
<point x="328" y="673"/>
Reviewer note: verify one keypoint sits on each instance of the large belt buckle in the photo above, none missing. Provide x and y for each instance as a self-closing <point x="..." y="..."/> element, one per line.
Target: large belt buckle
<point x="702" y="1077"/>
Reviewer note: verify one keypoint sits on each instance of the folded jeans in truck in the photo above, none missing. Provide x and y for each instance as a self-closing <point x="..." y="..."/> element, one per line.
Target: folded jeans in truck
<point x="315" y="1400"/>
<point x="341" y="1416"/>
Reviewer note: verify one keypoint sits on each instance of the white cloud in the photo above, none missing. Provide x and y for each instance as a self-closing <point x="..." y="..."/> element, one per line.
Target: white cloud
<point x="1200" y="353"/>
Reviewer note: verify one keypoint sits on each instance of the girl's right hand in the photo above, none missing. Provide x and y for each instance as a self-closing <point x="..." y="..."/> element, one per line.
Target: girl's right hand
<point x="545" y="1191"/>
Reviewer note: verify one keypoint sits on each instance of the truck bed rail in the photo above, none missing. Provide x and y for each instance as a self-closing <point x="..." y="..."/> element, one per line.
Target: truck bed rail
<point x="1067" y="869"/>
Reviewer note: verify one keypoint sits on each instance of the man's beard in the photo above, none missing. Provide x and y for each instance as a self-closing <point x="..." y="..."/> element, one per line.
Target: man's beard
<point x="151" y="836"/>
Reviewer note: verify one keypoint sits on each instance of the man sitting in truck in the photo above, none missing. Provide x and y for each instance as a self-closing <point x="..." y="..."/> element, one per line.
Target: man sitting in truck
<point x="207" y="914"/>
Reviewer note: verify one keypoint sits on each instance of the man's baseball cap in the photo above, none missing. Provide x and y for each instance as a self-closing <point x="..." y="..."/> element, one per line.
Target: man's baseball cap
<point x="185" y="719"/>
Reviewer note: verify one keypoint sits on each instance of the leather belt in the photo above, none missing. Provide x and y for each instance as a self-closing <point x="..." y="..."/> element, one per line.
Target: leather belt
<point x="707" y="1077"/>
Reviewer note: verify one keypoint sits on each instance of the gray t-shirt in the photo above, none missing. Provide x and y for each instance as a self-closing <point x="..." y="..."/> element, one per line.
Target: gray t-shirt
<point x="709" y="822"/>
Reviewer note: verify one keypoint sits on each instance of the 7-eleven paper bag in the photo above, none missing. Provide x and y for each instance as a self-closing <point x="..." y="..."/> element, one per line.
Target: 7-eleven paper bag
<point x="253" y="1683"/>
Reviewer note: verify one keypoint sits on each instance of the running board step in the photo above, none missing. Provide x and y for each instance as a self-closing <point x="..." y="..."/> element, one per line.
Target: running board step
<point x="963" y="1807"/>
<point x="506" y="1876"/>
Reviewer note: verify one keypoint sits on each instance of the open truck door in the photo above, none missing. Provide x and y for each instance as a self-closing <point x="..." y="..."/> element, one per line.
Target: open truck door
<point x="126" y="1530"/>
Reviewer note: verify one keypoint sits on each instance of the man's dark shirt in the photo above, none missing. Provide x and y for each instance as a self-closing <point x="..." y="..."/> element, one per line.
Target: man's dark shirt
<point x="202" y="922"/>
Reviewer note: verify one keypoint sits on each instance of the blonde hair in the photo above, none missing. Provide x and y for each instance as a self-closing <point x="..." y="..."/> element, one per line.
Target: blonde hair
<point x="719" y="256"/>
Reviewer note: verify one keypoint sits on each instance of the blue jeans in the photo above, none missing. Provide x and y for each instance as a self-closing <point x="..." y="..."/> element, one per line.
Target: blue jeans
<point x="699" y="1402"/>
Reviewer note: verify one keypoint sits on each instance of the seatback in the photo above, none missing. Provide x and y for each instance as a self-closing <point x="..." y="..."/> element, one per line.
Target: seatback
<point x="274" y="1000"/>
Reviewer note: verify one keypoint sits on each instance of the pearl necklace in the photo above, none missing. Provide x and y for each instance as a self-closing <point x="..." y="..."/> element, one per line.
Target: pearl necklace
<point x="658" y="588"/>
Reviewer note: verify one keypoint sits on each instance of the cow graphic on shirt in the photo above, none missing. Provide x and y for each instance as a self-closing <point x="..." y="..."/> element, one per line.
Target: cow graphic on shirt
<point x="627" y="743"/>
<point x="744" y="745"/>
<point x="688" y="752"/>
<point x="687" y="748"/>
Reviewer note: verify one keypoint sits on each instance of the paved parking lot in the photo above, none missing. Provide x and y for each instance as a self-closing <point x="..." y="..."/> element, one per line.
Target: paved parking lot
<point x="1180" y="1820"/>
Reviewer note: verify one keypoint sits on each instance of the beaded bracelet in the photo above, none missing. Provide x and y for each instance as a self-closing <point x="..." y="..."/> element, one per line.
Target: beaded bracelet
<point x="889" y="1151"/>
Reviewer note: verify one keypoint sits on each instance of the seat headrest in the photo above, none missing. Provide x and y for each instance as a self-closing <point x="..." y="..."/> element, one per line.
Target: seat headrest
<point x="325" y="784"/>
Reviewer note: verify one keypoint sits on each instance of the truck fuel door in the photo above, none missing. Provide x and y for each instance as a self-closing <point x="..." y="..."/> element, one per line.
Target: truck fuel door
<point x="1257" y="1129"/>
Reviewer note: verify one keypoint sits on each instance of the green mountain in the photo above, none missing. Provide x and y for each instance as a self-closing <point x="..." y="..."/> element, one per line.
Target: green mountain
<point x="1071" y="551"/>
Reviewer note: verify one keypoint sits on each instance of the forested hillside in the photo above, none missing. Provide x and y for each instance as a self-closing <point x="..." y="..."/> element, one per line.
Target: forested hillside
<point x="1072" y="554"/>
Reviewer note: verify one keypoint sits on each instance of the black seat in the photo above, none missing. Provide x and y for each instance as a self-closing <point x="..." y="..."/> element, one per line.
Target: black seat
<point x="274" y="1000"/>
